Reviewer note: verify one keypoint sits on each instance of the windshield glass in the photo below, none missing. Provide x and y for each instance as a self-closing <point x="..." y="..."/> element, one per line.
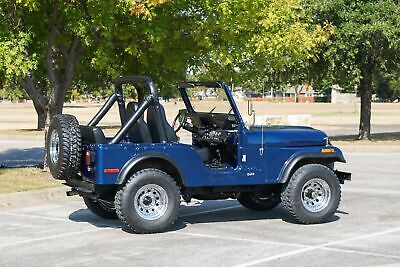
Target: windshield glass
<point x="209" y="100"/>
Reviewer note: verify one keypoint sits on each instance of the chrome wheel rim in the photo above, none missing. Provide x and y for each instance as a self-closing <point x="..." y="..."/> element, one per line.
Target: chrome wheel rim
<point x="54" y="147"/>
<point x="315" y="195"/>
<point x="151" y="202"/>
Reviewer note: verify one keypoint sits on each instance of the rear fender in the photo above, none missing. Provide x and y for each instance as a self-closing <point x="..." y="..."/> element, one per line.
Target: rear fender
<point x="135" y="161"/>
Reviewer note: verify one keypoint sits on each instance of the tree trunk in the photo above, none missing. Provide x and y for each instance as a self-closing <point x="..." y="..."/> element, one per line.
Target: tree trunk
<point x="41" y="113"/>
<point x="365" y="115"/>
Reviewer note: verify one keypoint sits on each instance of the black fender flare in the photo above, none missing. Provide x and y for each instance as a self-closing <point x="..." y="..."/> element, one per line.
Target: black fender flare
<point x="284" y="175"/>
<point x="124" y="174"/>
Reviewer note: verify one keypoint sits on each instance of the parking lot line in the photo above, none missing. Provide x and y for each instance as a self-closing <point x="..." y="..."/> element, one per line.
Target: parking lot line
<point x="209" y="211"/>
<point x="35" y="216"/>
<point x="243" y="239"/>
<point x="365" y="253"/>
<point x="322" y="246"/>
<point x="12" y="244"/>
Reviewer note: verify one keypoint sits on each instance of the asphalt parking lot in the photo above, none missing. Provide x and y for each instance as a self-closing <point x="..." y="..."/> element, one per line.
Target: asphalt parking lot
<point x="364" y="232"/>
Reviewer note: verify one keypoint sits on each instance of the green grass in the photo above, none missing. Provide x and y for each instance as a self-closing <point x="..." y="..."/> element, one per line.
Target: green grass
<point x="22" y="132"/>
<point x="24" y="179"/>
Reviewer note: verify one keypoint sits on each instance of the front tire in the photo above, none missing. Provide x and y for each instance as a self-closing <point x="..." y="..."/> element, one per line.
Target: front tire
<point x="257" y="201"/>
<point x="148" y="202"/>
<point x="312" y="195"/>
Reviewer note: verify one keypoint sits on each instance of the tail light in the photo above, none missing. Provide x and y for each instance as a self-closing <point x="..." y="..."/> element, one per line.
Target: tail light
<point x="88" y="160"/>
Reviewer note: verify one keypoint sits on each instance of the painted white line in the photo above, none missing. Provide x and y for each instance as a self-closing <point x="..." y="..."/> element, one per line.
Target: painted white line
<point x="303" y="247"/>
<point x="243" y="239"/>
<point x="35" y="216"/>
<point x="50" y="237"/>
<point x="275" y="257"/>
<point x="210" y="211"/>
<point x="365" y="253"/>
<point x="299" y="251"/>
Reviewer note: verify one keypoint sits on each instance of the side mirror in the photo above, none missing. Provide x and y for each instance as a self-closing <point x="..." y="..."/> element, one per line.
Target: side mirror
<point x="250" y="109"/>
<point x="251" y="112"/>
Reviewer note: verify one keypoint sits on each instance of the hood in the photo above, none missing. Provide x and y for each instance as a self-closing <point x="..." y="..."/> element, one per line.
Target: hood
<point x="286" y="136"/>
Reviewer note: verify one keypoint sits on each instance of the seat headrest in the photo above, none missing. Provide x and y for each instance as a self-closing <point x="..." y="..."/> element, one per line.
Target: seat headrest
<point x="132" y="106"/>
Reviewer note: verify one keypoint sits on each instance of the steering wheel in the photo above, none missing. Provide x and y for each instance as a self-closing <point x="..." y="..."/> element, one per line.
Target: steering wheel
<point x="179" y="120"/>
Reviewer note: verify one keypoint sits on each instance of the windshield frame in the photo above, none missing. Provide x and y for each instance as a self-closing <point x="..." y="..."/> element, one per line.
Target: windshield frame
<point x="183" y="86"/>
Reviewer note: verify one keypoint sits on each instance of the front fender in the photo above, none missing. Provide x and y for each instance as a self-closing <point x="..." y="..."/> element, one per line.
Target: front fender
<point x="285" y="172"/>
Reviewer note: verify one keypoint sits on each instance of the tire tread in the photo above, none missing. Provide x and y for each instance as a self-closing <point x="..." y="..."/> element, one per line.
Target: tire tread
<point x="288" y="197"/>
<point x="118" y="203"/>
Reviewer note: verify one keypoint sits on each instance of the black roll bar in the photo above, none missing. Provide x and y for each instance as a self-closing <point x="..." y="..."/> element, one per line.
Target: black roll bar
<point x="138" y="113"/>
<point x="117" y="96"/>
<point x="104" y="109"/>
<point x="209" y="84"/>
<point x="136" y="80"/>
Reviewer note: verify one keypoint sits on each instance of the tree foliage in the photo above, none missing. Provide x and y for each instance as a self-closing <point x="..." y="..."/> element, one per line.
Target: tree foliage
<point x="257" y="42"/>
<point x="50" y="47"/>
<point x="366" y="43"/>
<point x="42" y="44"/>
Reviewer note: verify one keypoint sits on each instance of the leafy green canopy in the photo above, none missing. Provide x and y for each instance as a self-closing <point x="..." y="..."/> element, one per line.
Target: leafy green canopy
<point x="366" y="39"/>
<point x="25" y="29"/>
<point x="241" y="40"/>
<point x="256" y="42"/>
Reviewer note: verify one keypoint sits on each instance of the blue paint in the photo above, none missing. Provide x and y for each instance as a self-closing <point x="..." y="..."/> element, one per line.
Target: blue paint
<point x="279" y="146"/>
<point x="262" y="154"/>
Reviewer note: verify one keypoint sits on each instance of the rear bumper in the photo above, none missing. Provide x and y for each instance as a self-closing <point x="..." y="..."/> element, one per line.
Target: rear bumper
<point x="343" y="176"/>
<point x="80" y="187"/>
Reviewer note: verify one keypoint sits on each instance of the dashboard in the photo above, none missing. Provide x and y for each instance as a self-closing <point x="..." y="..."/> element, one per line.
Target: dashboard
<point x="212" y="128"/>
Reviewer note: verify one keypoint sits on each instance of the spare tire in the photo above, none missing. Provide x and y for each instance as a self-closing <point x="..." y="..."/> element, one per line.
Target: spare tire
<point x="63" y="146"/>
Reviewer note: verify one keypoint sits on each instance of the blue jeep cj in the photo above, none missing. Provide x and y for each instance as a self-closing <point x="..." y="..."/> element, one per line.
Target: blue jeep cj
<point x="141" y="174"/>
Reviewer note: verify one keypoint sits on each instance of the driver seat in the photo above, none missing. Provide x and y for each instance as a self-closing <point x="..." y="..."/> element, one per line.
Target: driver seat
<point x="158" y="125"/>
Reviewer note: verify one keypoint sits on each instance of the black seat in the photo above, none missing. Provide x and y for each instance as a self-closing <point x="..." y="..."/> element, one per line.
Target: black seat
<point x="159" y="128"/>
<point x="139" y="132"/>
<point x="159" y="125"/>
<point x="92" y="135"/>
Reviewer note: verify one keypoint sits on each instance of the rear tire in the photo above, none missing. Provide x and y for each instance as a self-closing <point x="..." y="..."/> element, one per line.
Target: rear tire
<point x="312" y="195"/>
<point x="63" y="146"/>
<point x="101" y="209"/>
<point x="148" y="202"/>
<point x="257" y="201"/>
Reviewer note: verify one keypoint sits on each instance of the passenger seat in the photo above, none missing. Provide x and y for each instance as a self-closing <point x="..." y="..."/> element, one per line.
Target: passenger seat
<point x="139" y="132"/>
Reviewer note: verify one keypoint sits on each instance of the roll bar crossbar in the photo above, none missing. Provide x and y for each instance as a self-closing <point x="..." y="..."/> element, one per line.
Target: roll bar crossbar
<point x="117" y="96"/>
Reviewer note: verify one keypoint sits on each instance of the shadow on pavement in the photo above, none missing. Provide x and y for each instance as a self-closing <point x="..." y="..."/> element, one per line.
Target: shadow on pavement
<point x="85" y="215"/>
<point x="234" y="214"/>
<point x="29" y="157"/>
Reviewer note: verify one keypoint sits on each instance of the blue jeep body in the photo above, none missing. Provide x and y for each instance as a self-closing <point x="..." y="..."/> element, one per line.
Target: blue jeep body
<point x="265" y="155"/>
<point x="141" y="174"/>
<point x="281" y="153"/>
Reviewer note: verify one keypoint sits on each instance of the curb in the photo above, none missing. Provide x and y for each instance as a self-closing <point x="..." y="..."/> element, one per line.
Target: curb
<point x="34" y="197"/>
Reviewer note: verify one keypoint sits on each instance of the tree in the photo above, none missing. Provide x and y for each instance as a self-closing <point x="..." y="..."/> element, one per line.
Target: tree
<point x="54" y="45"/>
<point x="366" y="42"/>
<point x="387" y="86"/>
<point x="257" y="43"/>
<point x="42" y="43"/>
